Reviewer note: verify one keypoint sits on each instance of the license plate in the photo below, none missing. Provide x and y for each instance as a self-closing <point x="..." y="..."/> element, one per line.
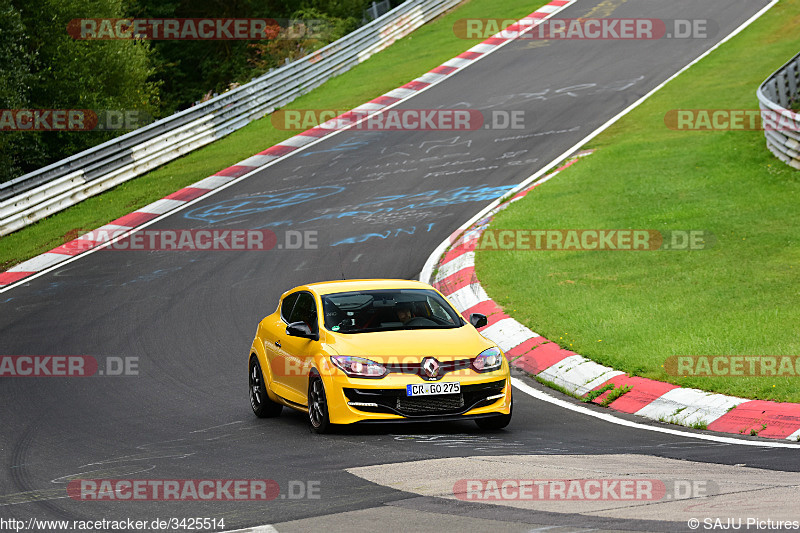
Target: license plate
<point x="427" y="389"/>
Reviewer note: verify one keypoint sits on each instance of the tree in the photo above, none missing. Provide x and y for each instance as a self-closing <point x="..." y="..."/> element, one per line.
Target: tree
<point x="53" y="70"/>
<point x="15" y="82"/>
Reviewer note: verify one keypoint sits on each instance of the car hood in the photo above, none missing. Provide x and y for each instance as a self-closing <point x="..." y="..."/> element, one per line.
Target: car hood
<point x="445" y="344"/>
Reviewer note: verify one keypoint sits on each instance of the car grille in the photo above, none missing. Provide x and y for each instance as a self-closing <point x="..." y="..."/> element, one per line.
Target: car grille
<point x="395" y="400"/>
<point x="430" y="404"/>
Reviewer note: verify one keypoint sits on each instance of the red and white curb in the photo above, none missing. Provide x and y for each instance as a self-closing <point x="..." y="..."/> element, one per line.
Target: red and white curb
<point x="178" y="199"/>
<point x="454" y="275"/>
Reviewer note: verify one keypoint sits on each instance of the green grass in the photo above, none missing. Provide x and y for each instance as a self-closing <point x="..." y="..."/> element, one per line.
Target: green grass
<point x="556" y="387"/>
<point x="614" y="394"/>
<point x="593" y="394"/>
<point x="408" y="58"/>
<point x="700" y="424"/>
<point x="632" y="310"/>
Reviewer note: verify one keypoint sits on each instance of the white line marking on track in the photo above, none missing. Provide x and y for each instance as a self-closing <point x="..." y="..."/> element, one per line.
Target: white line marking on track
<point x="607" y="417"/>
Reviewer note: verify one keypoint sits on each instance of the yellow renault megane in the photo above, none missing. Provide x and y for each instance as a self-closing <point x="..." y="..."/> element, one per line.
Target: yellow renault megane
<point x="376" y="351"/>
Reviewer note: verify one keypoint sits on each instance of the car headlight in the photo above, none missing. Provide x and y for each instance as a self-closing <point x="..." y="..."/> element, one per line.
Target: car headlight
<point x="358" y="367"/>
<point x="489" y="360"/>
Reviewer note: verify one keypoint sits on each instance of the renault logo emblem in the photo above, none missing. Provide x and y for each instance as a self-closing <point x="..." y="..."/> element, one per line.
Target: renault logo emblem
<point x="430" y="366"/>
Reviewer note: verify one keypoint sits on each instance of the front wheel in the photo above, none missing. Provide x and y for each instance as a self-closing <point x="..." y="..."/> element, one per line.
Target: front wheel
<point x="262" y="406"/>
<point x="317" y="406"/>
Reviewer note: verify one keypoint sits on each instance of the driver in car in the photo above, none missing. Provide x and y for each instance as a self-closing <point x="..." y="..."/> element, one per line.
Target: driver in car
<point x="404" y="313"/>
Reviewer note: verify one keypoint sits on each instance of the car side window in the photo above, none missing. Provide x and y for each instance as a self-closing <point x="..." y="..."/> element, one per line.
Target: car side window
<point x="287" y="305"/>
<point x="438" y="311"/>
<point x="305" y="310"/>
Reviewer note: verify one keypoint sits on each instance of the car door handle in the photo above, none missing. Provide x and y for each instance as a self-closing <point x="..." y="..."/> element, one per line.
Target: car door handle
<point x="278" y="344"/>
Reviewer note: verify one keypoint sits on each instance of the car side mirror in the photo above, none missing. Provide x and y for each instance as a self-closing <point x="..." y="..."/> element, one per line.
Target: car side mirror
<point x="301" y="329"/>
<point x="478" y="320"/>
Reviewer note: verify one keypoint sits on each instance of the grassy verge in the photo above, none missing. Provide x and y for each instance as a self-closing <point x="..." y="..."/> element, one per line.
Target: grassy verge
<point x="406" y="59"/>
<point x="633" y="310"/>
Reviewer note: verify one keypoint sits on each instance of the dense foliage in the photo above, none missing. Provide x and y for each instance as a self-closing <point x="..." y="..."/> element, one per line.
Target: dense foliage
<point x="44" y="67"/>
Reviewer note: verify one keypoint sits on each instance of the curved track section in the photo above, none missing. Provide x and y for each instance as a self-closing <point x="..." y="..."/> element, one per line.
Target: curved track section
<point x="379" y="202"/>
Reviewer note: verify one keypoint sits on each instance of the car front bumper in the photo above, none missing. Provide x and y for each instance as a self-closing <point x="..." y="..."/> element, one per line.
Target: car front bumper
<point x="353" y="400"/>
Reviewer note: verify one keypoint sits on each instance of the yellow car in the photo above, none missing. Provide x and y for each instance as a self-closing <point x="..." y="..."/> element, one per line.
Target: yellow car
<point x="376" y="351"/>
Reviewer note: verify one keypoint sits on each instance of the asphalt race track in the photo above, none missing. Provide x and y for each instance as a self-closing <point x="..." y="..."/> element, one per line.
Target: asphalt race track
<point x="379" y="203"/>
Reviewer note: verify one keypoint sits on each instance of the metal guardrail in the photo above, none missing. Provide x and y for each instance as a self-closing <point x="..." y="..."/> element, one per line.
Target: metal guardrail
<point x="782" y="126"/>
<point x="46" y="191"/>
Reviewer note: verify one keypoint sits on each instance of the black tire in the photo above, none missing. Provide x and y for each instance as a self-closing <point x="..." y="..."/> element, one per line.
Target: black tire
<point x="495" y="422"/>
<point x="318" y="406"/>
<point x="262" y="406"/>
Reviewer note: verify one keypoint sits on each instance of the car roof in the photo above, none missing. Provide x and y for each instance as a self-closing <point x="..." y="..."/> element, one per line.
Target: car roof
<point x="348" y="285"/>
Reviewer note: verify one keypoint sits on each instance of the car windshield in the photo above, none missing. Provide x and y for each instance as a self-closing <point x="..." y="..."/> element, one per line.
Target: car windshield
<point x="384" y="310"/>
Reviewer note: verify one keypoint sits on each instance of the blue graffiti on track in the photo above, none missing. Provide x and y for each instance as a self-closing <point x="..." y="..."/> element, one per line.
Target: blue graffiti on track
<point x="351" y="144"/>
<point x="240" y="207"/>
<point x="425" y="200"/>
<point x="383" y="235"/>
